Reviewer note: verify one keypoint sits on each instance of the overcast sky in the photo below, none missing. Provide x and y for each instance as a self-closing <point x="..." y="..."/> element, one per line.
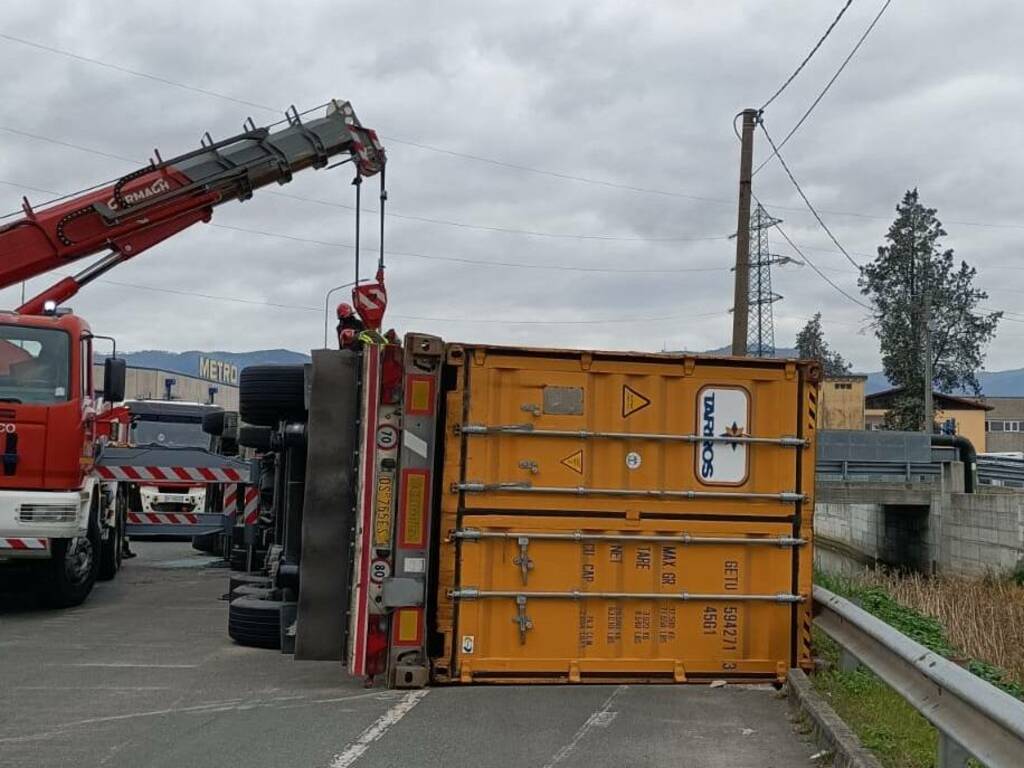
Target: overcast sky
<point x="636" y="94"/>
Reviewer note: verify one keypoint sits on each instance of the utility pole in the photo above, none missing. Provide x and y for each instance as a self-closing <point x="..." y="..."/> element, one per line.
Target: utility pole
<point x="742" y="286"/>
<point x="929" y="374"/>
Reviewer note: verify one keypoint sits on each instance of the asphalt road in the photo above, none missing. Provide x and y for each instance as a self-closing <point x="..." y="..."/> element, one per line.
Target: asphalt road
<point x="143" y="675"/>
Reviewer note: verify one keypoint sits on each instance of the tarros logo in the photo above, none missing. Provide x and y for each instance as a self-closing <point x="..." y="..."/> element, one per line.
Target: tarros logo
<point x="707" y="454"/>
<point x="723" y="413"/>
<point x="158" y="187"/>
<point x="8" y="428"/>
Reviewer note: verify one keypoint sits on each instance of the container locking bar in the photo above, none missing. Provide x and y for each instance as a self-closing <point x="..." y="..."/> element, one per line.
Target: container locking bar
<point x="521" y="619"/>
<point x="477" y="487"/>
<point x="472" y="534"/>
<point x="528" y="430"/>
<point x="473" y="593"/>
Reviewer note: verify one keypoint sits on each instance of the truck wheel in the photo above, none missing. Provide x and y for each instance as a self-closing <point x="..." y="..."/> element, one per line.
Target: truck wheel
<point x="208" y="542"/>
<point x="112" y="549"/>
<point x="268" y="394"/>
<point x="251" y="590"/>
<point x="251" y="436"/>
<point x="74" y="565"/>
<point x="255" y="623"/>
<point x="247" y="579"/>
<point x="213" y="423"/>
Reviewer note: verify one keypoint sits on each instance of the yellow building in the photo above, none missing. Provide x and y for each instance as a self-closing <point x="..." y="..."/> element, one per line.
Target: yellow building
<point x="841" y="402"/>
<point x="965" y="416"/>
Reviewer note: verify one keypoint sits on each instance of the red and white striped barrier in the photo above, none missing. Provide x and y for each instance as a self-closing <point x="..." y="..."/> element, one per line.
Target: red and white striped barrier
<point x="170" y="474"/>
<point x="230" y="499"/>
<point x="23" y="544"/>
<point x="251" y="510"/>
<point x="162" y="518"/>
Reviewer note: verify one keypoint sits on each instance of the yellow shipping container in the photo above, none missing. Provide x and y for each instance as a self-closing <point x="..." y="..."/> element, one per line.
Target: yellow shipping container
<point x="624" y="516"/>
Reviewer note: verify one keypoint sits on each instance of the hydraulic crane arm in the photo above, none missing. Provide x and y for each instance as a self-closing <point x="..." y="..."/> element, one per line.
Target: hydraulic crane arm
<point x="153" y="203"/>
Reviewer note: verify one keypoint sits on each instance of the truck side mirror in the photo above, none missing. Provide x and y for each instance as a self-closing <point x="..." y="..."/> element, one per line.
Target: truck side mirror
<point x="114" y="372"/>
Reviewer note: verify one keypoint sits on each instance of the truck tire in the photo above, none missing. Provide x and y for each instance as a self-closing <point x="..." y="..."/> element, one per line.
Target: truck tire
<point x="258" y="438"/>
<point x="247" y="579"/>
<point x="251" y="590"/>
<point x="269" y="394"/>
<point x="112" y="550"/>
<point x="208" y="542"/>
<point x="74" y="565"/>
<point x="255" y="623"/>
<point x="213" y="423"/>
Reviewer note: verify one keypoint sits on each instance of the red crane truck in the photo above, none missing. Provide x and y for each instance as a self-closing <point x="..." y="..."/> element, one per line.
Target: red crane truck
<point x="56" y="519"/>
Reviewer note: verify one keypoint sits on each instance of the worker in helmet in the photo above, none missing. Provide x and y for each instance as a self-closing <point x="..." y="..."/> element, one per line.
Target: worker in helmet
<point x="349" y="327"/>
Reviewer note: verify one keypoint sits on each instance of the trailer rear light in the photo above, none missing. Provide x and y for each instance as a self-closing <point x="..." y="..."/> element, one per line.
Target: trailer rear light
<point x="47" y="513"/>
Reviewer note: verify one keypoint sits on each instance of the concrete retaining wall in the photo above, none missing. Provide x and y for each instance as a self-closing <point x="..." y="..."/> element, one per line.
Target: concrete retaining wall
<point x="957" y="533"/>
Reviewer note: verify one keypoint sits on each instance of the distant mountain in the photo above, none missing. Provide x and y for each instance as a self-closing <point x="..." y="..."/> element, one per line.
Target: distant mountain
<point x="188" y="362"/>
<point x="993" y="383"/>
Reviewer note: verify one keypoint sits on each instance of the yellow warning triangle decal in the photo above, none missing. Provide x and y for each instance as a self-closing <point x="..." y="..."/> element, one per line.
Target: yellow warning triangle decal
<point x="632" y="401"/>
<point x="574" y="462"/>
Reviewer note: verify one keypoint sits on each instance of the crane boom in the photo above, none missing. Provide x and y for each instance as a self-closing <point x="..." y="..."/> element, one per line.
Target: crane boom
<point x="165" y="197"/>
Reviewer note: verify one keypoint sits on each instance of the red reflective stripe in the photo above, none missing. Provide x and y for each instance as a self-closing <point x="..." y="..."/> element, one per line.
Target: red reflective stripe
<point x="105" y="473"/>
<point x="192" y="519"/>
<point x="207" y="474"/>
<point x="131" y="473"/>
<point x="233" y="474"/>
<point x="153" y="518"/>
<point x="181" y="472"/>
<point x="17" y="544"/>
<point x="155" y="473"/>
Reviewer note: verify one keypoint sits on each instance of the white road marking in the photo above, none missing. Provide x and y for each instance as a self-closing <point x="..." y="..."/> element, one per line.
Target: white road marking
<point x="129" y="665"/>
<point x="601" y="718"/>
<point x="356" y="749"/>
<point x="229" y="705"/>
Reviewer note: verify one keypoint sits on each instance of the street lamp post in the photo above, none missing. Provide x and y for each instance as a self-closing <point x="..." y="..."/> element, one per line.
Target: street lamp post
<point x="327" y="305"/>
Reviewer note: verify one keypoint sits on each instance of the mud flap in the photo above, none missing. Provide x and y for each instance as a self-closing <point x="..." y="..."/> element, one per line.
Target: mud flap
<point x="329" y="507"/>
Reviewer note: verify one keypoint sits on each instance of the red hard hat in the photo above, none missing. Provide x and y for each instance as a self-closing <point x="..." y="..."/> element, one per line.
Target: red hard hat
<point x="345" y="311"/>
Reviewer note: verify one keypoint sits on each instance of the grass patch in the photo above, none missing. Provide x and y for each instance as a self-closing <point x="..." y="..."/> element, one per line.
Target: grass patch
<point x="882" y="720"/>
<point x="976" y="623"/>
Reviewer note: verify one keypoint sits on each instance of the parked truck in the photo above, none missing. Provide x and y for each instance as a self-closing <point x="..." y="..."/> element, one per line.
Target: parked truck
<point x="463" y="513"/>
<point x="55" y="519"/>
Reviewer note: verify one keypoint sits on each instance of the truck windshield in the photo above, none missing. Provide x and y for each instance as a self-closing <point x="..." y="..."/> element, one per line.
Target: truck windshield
<point x="170" y="430"/>
<point x="35" y="365"/>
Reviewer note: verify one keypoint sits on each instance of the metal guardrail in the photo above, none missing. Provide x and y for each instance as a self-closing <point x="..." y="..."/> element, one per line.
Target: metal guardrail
<point x="973" y="717"/>
<point x="891" y="471"/>
<point x="1007" y="472"/>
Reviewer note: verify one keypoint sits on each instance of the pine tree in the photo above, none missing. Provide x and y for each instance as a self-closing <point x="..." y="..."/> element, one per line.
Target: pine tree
<point x="811" y="345"/>
<point x="912" y="277"/>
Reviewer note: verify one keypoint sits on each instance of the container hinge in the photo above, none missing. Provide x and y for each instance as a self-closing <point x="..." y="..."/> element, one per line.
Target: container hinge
<point x="523" y="560"/>
<point x="530" y="466"/>
<point x="522" y="619"/>
<point x="531" y="408"/>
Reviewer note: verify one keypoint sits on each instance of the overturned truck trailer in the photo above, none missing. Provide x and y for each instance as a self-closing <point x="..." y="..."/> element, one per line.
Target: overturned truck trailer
<point x="477" y="513"/>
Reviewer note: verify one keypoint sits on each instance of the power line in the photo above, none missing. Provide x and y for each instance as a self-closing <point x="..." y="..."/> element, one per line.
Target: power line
<point x="810" y="207"/>
<point x="478" y="262"/>
<point x="808" y="57"/>
<point x="821" y="274"/>
<point x="135" y="72"/>
<point x="509" y="230"/>
<point x="392" y="214"/>
<point x="825" y="90"/>
<point x="468" y="156"/>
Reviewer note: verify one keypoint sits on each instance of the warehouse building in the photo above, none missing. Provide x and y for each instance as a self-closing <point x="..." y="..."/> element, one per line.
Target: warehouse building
<point x="218" y="385"/>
